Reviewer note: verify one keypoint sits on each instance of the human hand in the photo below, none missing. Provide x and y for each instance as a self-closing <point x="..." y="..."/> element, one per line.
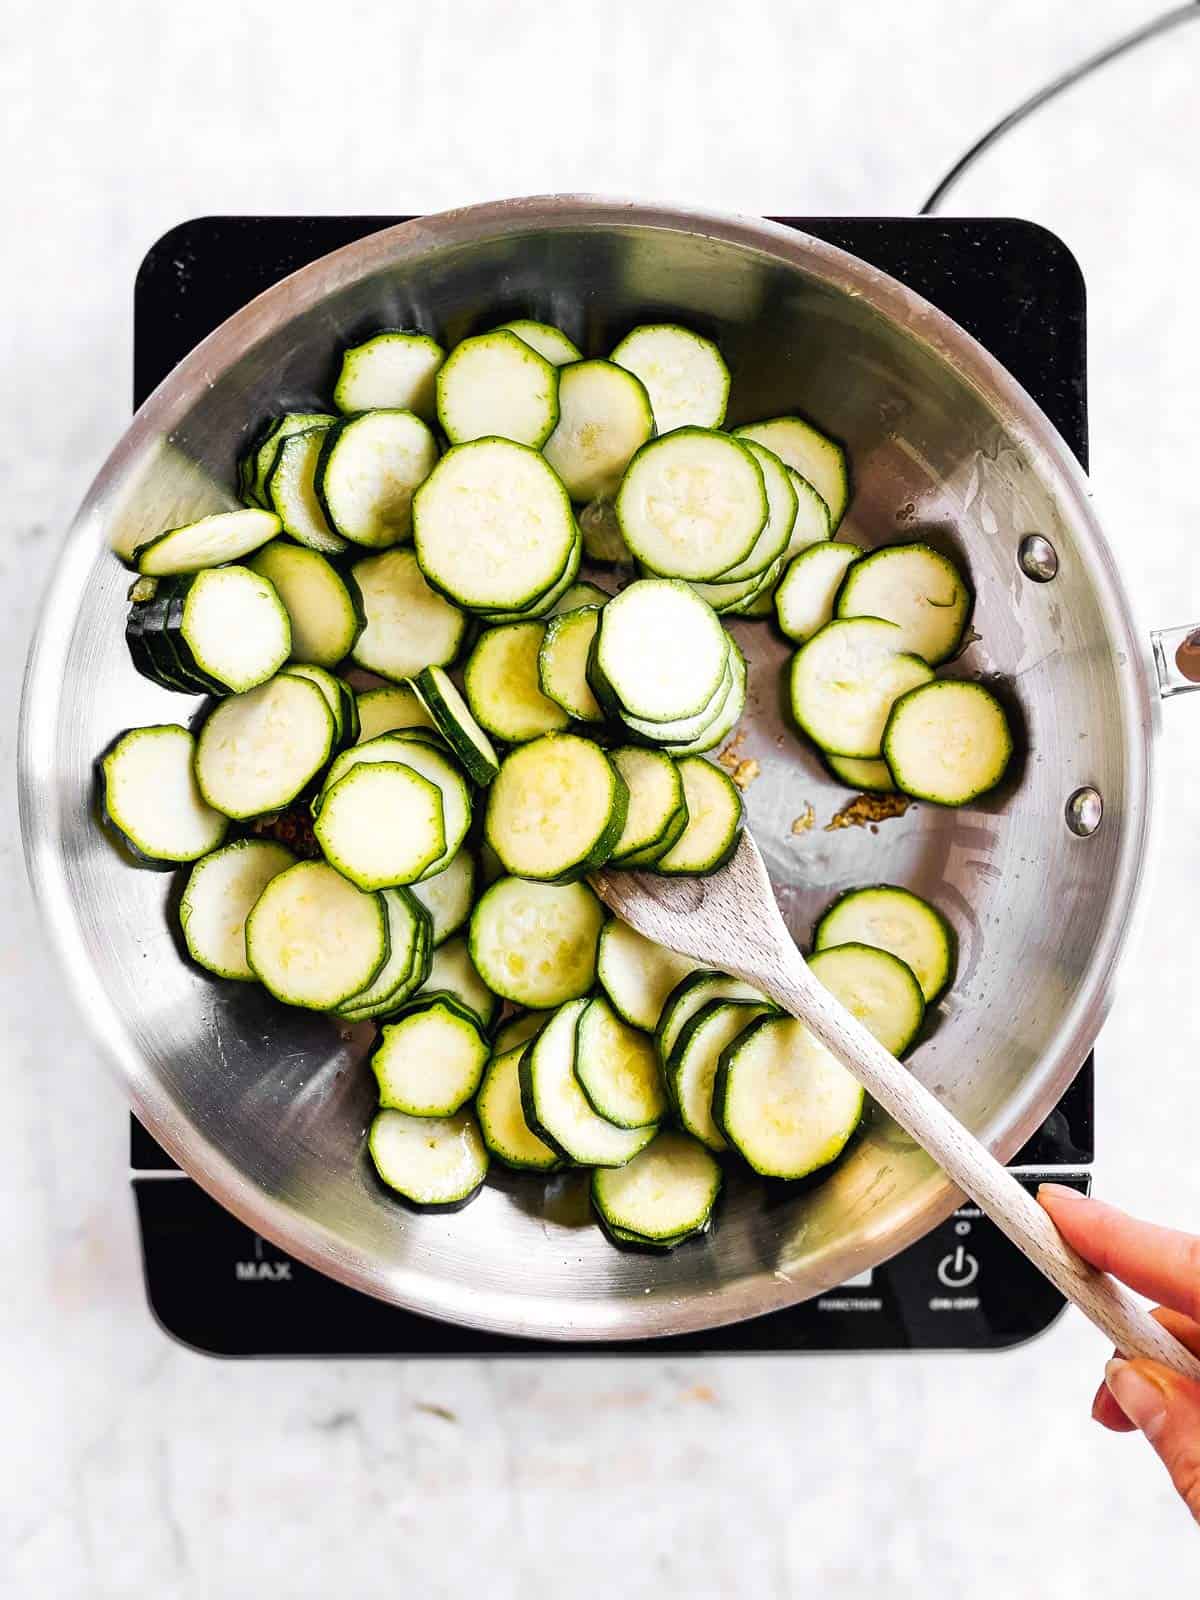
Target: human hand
<point x="1164" y="1265"/>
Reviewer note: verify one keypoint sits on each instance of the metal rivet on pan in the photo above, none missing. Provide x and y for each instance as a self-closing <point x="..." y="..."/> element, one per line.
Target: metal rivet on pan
<point x="1085" y="808"/>
<point x="1037" y="558"/>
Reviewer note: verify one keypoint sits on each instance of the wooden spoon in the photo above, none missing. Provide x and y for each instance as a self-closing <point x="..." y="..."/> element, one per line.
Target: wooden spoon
<point x="730" y="921"/>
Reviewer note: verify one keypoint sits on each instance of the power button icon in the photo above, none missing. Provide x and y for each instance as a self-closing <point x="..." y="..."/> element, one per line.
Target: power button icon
<point x="958" y="1270"/>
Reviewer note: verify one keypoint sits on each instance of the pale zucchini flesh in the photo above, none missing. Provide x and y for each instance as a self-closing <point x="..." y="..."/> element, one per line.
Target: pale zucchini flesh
<point x="948" y="742"/>
<point x="683" y="373"/>
<point x="151" y="796"/>
<point x="918" y="589"/>
<point x="411" y="748"/>
<point x="726" y="716"/>
<point x="389" y="708"/>
<point x="409" y="626"/>
<point x="898" y="921"/>
<point x="263" y="453"/>
<point x="210" y="542"/>
<point x="617" y="1067"/>
<point x="233" y="627"/>
<point x="656" y="804"/>
<point x="381" y="825"/>
<point x="562" y="663"/>
<point x="692" y="504"/>
<point x="535" y="943"/>
<point x="876" y="987"/>
<point x="807" y="592"/>
<point x="661" y="650"/>
<point x="391" y="371"/>
<point x="453" y="972"/>
<point x="604" y="419"/>
<point x="783" y="1100"/>
<point x="503" y="687"/>
<point x="691" y="995"/>
<point x="370" y="467"/>
<point x="435" y="1163"/>
<point x="291" y="491"/>
<point x="313" y="939"/>
<point x="551" y="343"/>
<point x="556" y="808"/>
<point x="493" y="525"/>
<point x="338" y="697"/>
<point x="714" y="805"/>
<point x="813" y="524"/>
<point x="844" y="682"/>
<point x="325" y="612"/>
<point x="684" y="729"/>
<point x="663" y="1196"/>
<point x="870" y="777"/>
<point x="448" y="896"/>
<point x="501" y="1118"/>
<point x="519" y="1030"/>
<point x="555" y="1105"/>
<point x="430" y="1061"/>
<point x="497" y="386"/>
<point x="222" y="890"/>
<point x="636" y="974"/>
<point x="811" y="453"/>
<point x="257" y="751"/>
<point x="543" y="605"/>
<point x="781" y="517"/>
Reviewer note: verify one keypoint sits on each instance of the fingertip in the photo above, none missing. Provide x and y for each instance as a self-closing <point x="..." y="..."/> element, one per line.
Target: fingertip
<point x="1108" y="1413"/>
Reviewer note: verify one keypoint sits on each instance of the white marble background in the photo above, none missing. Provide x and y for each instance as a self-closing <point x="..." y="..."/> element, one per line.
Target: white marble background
<point x="128" y="1464"/>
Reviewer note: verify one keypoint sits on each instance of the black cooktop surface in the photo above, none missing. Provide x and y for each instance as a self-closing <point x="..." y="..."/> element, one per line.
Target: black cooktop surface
<point x="217" y="1286"/>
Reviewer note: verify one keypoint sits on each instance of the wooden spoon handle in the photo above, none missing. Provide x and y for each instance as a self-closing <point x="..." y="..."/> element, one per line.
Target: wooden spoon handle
<point x="1111" y="1306"/>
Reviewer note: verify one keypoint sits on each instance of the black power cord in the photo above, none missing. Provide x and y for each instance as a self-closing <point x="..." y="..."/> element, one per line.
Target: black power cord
<point x="1149" y="30"/>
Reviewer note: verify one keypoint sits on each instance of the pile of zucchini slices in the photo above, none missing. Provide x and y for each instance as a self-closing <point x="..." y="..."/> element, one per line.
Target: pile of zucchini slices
<point x="374" y="839"/>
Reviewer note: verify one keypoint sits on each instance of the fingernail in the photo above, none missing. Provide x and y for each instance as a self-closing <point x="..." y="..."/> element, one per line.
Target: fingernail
<point x="1138" y="1396"/>
<point x="1059" y="1191"/>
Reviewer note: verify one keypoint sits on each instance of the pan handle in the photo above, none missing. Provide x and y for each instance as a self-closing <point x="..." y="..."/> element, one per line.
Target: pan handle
<point x="1176" y="659"/>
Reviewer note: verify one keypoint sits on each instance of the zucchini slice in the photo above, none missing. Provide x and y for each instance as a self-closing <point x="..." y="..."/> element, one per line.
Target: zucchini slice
<point x="871" y="777"/>
<point x="726" y="716"/>
<point x="502" y="1121"/>
<point x="816" y="457"/>
<point x="878" y="988"/>
<point x="407" y="965"/>
<point x="493" y="525"/>
<point x="686" y="728"/>
<point x="261" y="456"/>
<point x="604" y="418"/>
<point x="324" y="609"/>
<point x="813" y="524"/>
<point x="149" y="794"/>
<point x="339" y="697"/>
<point x="409" y="748"/>
<point x="392" y="371"/>
<point x="761" y="604"/>
<point x="636" y="974"/>
<point x="692" y="504"/>
<point x="381" y="824"/>
<point x="577" y="596"/>
<point x="503" y="686"/>
<point x="535" y="943"/>
<point x="684" y="375"/>
<point x="660" y="651"/>
<point x="550" y="343"/>
<point x="409" y="625"/>
<point x="657" y="811"/>
<point x="601" y="533"/>
<point x="448" y="896"/>
<point x="714" y="805"/>
<point x="542" y="605"/>
<point x="210" y="542"/>
<point x="230" y="626"/>
<point x="783" y="1101"/>
<point x="690" y="995"/>
<point x="844" y="682"/>
<point x="430" y="1061"/>
<point x="291" y="490"/>
<point x="313" y="939"/>
<point x="221" y="891"/>
<point x="692" y="1066"/>
<point x="919" y="590"/>
<point x="782" y="506"/>
<point x="452" y="717"/>
<point x="519" y="1030"/>
<point x="724" y="597"/>
<point x="497" y="386"/>
<point x="257" y="751"/>
<point x="556" y="809"/>
<point x="370" y="467"/>
<point x="562" y="663"/>
<point x="808" y="590"/>
<point x="617" y="1067"/>
<point x="453" y="973"/>
<point x="435" y="1163"/>
<point x="389" y="709"/>
<point x="947" y="742"/>
<point x="557" y="1109"/>
<point x="663" y="1196"/>
<point x="898" y="921"/>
